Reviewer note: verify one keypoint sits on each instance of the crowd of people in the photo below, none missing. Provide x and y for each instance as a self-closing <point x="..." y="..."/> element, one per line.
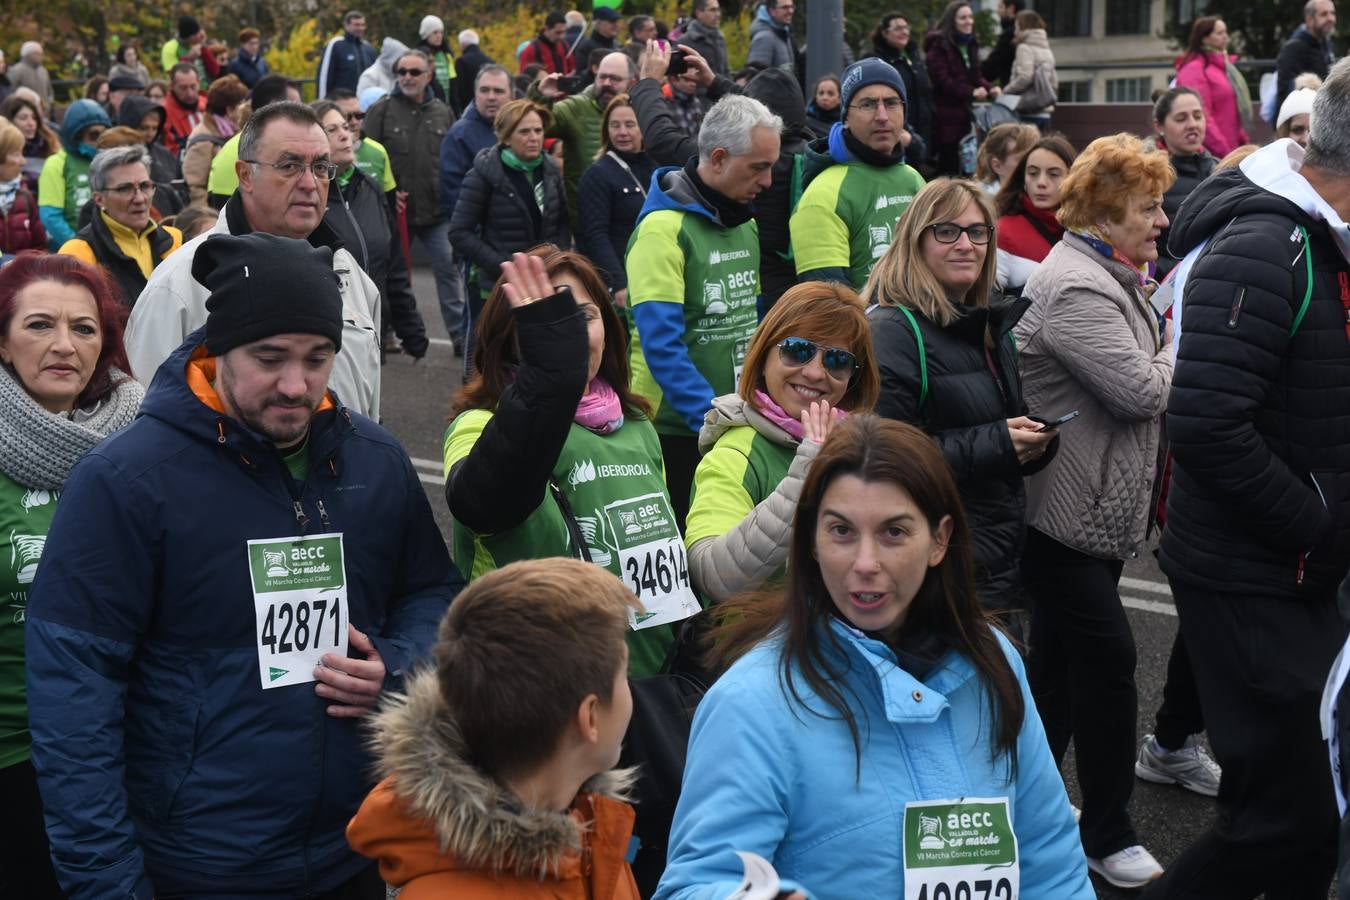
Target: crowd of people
<point x="820" y="398"/>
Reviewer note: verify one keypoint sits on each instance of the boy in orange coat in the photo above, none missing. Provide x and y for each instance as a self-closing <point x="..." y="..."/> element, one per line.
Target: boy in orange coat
<point x="498" y="764"/>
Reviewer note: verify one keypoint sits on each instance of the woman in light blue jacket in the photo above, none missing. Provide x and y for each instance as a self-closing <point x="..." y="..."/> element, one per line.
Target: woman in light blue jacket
<point x="875" y="737"/>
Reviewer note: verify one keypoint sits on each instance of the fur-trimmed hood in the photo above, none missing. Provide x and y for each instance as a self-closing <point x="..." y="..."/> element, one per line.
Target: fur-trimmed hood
<point x="435" y="813"/>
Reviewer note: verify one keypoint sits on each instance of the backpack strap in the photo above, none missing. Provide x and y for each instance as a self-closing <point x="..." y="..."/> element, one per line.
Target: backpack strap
<point x="923" y="356"/>
<point x="1307" y="293"/>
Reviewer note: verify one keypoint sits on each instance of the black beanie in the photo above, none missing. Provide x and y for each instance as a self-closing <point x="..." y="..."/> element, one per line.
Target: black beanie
<point x="187" y="27"/>
<point x="264" y="284"/>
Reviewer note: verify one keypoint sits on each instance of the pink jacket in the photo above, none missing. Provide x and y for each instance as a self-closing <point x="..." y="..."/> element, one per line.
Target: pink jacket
<point x="1207" y="75"/>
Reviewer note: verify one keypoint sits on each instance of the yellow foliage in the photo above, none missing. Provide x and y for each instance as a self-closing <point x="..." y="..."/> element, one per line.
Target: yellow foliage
<point x="297" y="55"/>
<point x="500" y="38"/>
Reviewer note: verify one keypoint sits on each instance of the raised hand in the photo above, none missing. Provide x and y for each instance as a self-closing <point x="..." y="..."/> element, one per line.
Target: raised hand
<point x="818" y="420"/>
<point x="526" y="280"/>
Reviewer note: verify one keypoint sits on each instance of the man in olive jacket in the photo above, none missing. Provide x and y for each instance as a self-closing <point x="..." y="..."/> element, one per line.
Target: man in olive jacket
<point x="411" y="123"/>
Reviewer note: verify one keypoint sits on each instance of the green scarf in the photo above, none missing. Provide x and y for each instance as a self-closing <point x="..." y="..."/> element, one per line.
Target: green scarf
<point x="531" y="170"/>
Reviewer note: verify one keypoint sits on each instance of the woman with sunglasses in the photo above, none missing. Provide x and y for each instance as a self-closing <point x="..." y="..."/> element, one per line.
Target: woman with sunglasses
<point x="948" y="365"/>
<point x="867" y="706"/>
<point x="809" y="363"/>
<point x="551" y="454"/>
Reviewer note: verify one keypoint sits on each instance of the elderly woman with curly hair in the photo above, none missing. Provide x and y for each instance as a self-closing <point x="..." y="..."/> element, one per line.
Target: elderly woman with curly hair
<point x="1091" y="344"/>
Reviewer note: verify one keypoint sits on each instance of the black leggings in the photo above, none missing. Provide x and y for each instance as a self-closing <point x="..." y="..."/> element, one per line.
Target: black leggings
<point x="1081" y="671"/>
<point x="25" y="860"/>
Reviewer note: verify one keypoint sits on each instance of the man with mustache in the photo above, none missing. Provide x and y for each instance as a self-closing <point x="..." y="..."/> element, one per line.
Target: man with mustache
<point x="264" y="565"/>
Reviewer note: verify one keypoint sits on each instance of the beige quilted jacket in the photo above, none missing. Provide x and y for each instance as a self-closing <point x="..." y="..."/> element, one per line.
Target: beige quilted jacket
<point x="1090" y="342"/>
<point x="1033" y="52"/>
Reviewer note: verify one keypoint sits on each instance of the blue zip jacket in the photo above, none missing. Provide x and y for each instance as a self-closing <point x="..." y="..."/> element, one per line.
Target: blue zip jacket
<point x="164" y="766"/>
<point x="766" y="776"/>
<point x="460" y="145"/>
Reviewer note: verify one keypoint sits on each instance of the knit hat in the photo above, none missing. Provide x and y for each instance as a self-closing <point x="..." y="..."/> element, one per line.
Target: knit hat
<point x="430" y="25"/>
<point x="868" y="71"/>
<point x="253" y="279"/>
<point x="125" y="83"/>
<point x="1297" y="103"/>
<point x="187" y="27"/>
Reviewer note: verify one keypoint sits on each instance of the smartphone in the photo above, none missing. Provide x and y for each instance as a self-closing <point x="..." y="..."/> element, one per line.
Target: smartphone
<point x="1055" y="423"/>
<point x="679" y="64"/>
<point x="571" y="84"/>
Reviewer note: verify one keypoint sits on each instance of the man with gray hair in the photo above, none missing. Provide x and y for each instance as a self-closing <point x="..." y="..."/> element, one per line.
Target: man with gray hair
<point x="122" y="237"/>
<point x="1258" y="513"/>
<point x="1308" y="48"/>
<point x="693" y="278"/>
<point x="284" y="169"/>
<point x="471" y="59"/>
<point x="29" y="72"/>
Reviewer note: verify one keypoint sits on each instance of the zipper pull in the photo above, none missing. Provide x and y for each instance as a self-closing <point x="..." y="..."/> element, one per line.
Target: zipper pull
<point x="323" y="515"/>
<point x="1302" y="567"/>
<point x="300" y="515"/>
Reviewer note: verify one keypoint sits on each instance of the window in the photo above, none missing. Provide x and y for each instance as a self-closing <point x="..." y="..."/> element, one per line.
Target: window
<point x="1181" y="13"/>
<point x="1066" y="18"/>
<point x="1128" y="16"/>
<point x="1129" y="90"/>
<point x="1075" y="91"/>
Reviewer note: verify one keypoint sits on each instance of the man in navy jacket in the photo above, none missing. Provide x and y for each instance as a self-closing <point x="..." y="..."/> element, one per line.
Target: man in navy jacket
<point x="228" y="586"/>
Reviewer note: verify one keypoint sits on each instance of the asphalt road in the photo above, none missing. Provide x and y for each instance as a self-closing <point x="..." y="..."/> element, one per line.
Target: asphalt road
<point x="416" y="403"/>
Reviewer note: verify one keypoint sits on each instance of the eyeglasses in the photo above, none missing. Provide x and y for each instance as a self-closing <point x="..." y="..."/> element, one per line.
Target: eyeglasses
<point x="870" y="105"/>
<point x="795" y="352"/>
<point x="950" y="232"/>
<point x="355" y="116"/>
<point x="291" y="168"/>
<point x="130" y="189"/>
<point x="410" y="73"/>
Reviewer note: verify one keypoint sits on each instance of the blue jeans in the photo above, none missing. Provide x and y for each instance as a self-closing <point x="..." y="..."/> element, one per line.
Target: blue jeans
<point x="449" y="284"/>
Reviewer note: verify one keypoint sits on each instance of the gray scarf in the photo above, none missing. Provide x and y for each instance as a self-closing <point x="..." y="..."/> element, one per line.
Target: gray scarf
<point x="39" y="448"/>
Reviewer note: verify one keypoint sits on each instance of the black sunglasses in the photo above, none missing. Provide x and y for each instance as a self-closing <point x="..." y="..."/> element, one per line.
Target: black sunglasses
<point x="410" y="72"/>
<point x="796" y="352"/>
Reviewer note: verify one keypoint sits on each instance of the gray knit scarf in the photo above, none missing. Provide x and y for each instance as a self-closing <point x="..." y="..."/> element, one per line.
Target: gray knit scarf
<point x="39" y="448"/>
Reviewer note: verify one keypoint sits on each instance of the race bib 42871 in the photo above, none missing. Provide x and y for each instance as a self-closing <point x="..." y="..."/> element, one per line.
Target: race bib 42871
<point x="299" y="604"/>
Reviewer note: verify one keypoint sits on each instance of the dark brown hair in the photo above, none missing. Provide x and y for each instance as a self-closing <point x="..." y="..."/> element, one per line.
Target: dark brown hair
<point x="571" y="613"/>
<point x="1202" y="28"/>
<point x="1009" y="199"/>
<point x="496" y="354"/>
<point x="10" y="108"/>
<point x="830" y="314"/>
<point x="879" y="451"/>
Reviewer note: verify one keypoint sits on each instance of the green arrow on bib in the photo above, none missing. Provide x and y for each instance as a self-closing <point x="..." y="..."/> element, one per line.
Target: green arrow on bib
<point x="274" y="673"/>
<point x="642" y="617"/>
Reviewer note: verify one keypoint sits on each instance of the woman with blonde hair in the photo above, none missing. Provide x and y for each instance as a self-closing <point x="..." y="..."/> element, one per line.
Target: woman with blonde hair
<point x="1091" y="344"/>
<point x="949" y="366"/>
<point x="809" y="364"/>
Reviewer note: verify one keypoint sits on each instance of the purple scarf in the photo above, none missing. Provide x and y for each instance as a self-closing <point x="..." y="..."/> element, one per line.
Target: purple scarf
<point x="600" y="410"/>
<point x="775" y="414"/>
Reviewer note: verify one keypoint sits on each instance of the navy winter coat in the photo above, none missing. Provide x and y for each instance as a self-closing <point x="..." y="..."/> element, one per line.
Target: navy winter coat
<point x="163" y="764"/>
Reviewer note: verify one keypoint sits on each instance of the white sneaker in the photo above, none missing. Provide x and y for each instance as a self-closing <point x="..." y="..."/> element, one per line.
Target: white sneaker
<point x="1191" y="767"/>
<point x="1132" y="867"/>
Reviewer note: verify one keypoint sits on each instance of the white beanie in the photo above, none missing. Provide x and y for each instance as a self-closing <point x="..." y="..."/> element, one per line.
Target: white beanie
<point x="430" y="25"/>
<point x="29" y="47"/>
<point x="1297" y="103"/>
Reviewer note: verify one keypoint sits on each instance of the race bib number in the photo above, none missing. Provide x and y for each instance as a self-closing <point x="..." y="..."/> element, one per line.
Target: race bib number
<point x="300" y="605"/>
<point x="960" y="850"/>
<point x="652" y="560"/>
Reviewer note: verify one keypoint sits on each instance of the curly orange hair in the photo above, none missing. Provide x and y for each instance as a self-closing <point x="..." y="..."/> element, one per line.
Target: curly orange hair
<point x="1106" y="176"/>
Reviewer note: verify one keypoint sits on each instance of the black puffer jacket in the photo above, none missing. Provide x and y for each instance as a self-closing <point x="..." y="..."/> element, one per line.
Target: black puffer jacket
<point x="1259" y="421"/>
<point x="966" y="411"/>
<point x="608" y="204"/>
<point x="361" y="215"/>
<point x="1191" y="169"/>
<point x="494" y="218"/>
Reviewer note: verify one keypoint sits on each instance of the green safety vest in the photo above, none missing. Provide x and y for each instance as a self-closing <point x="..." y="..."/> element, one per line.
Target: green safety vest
<point x="64" y="182"/>
<point x="614" y="485"/>
<point x="681" y="257"/>
<point x="847" y="216"/>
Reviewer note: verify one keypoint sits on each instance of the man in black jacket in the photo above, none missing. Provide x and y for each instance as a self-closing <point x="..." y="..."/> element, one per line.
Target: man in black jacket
<point x="471" y="59"/>
<point x="1258" y="516"/>
<point x="1308" y="48"/>
<point x="603" y="36"/>
<point x="997" y="66"/>
<point x="346" y="56"/>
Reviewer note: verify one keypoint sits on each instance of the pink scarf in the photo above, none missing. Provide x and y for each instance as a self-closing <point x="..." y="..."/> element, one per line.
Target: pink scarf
<point x="224" y="125"/>
<point x="775" y="414"/>
<point x="600" y="410"/>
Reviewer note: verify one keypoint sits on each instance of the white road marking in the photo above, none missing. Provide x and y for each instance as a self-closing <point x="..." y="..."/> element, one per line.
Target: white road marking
<point x="434" y="464"/>
<point x="1152" y="587"/>
<point x="1152" y="606"/>
<point x="429" y="479"/>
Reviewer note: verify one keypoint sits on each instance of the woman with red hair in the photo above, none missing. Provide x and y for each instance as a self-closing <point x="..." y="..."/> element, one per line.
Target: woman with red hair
<point x="64" y="387"/>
